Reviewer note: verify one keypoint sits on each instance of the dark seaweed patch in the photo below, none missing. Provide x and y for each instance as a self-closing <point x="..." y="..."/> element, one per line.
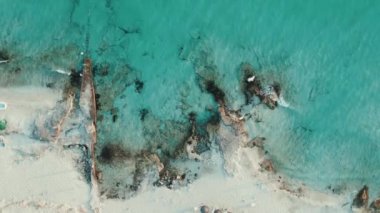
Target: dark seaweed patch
<point x="139" y="85"/>
<point x="113" y="153"/>
<point x="361" y="198"/>
<point x="277" y="88"/>
<point x="4" y="55"/>
<point x="214" y="118"/>
<point x="114" y="118"/>
<point x="254" y="88"/>
<point x="215" y="91"/>
<point x="143" y="113"/>
<point x="192" y="117"/>
<point x="97" y="101"/>
<point x="114" y="113"/>
<point x="50" y="85"/>
<point x="101" y="69"/>
<point x="75" y="78"/>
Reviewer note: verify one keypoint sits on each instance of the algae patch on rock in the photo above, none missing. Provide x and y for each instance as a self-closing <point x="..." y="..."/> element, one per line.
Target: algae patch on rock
<point x="3" y="124"/>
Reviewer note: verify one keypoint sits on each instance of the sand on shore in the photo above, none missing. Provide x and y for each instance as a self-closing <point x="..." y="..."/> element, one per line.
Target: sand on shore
<point x="38" y="176"/>
<point x="249" y="190"/>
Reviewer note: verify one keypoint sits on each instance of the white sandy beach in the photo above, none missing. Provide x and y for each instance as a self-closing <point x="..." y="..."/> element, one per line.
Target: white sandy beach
<point x="39" y="176"/>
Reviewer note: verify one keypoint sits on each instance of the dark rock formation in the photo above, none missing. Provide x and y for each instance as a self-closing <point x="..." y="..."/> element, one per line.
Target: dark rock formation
<point x="139" y="85"/>
<point x="146" y="162"/>
<point x="269" y="101"/>
<point x="361" y="199"/>
<point x="75" y="78"/>
<point x="101" y="69"/>
<point x="276" y="88"/>
<point x="4" y="55"/>
<point x="143" y="113"/>
<point x="338" y="189"/>
<point x="113" y="153"/>
<point x="267" y="165"/>
<point x="252" y="86"/>
<point x="205" y="209"/>
<point x="97" y="101"/>
<point x="257" y="142"/>
<point x="169" y="177"/>
<point x="114" y="113"/>
<point x="216" y="92"/>
<point x="375" y="205"/>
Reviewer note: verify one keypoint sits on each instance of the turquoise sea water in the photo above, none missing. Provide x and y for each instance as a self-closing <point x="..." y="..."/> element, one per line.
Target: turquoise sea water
<point x="324" y="54"/>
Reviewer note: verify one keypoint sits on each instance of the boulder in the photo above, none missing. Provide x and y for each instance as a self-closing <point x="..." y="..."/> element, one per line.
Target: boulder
<point x="375" y="205"/>
<point x="361" y="199"/>
<point x="205" y="209"/>
<point x="257" y="142"/>
<point x="267" y="165"/>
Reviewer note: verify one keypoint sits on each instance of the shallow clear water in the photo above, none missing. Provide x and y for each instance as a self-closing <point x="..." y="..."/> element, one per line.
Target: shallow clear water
<point x="323" y="53"/>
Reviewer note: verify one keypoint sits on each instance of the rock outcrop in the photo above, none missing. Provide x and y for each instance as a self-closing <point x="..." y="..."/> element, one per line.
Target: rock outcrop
<point x="361" y="199"/>
<point x="253" y="86"/>
<point x="375" y="205"/>
<point x="267" y="165"/>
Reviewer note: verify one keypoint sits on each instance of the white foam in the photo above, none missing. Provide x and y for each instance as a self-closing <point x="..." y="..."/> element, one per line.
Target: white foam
<point x="251" y="79"/>
<point x="61" y="71"/>
<point x="281" y="101"/>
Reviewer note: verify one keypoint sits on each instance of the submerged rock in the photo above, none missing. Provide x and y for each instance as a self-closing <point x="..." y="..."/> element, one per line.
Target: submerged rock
<point x="252" y="86"/>
<point x="143" y="112"/>
<point x="361" y="199"/>
<point x="101" y="69"/>
<point x="192" y="141"/>
<point x="256" y="142"/>
<point x="114" y="113"/>
<point x="113" y="153"/>
<point x="216" y="92"/>
<point x="267" y="165"/>
<point x="170" y="178"/>
<point x="375" y="205"/>
<point x="205" y="209"/>
<point x="139" y="85"/>
<point x="4" y="56"/>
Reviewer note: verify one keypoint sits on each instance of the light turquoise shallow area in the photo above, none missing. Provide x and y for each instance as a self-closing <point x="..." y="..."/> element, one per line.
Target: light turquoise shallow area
<point x="324" y="52"/>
